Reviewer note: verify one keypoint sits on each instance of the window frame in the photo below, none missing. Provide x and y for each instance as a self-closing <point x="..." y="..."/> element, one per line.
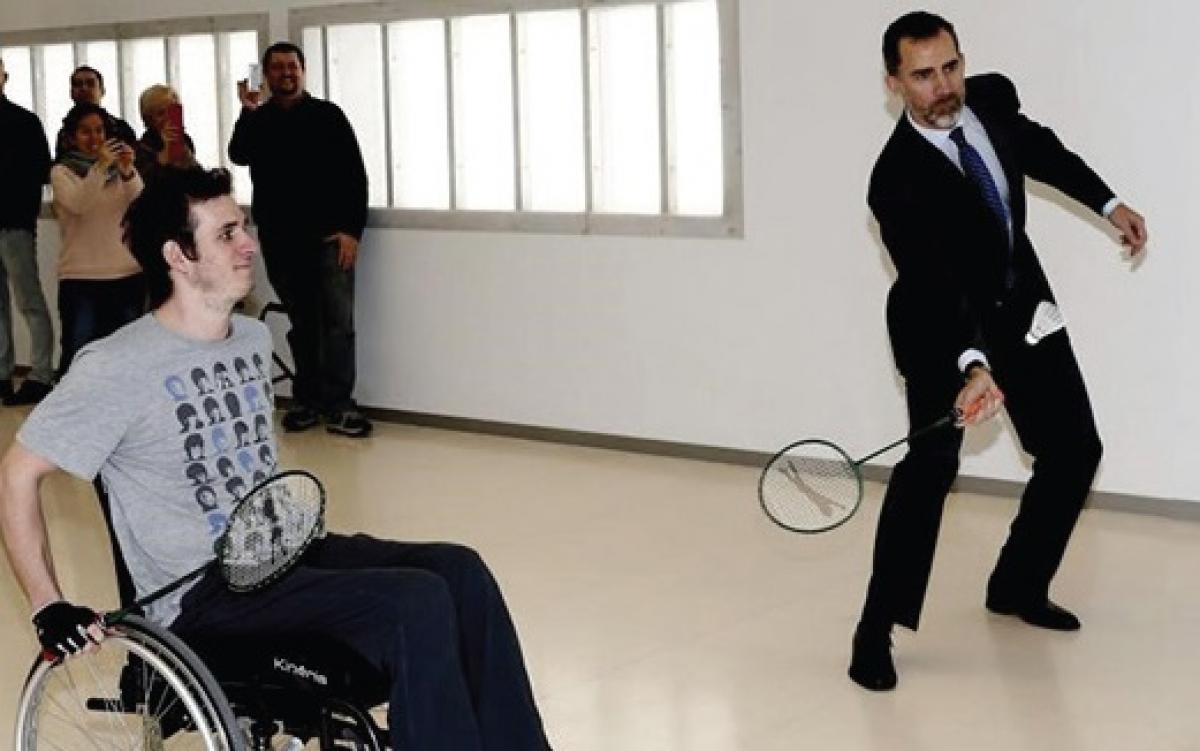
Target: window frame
<point x="730" y="223"/>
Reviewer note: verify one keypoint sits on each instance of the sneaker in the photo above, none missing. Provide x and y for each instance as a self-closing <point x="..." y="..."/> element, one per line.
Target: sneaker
<point x="31" y="392"/>
<point x="300" y="417"/>
<point x="351" y="422"/>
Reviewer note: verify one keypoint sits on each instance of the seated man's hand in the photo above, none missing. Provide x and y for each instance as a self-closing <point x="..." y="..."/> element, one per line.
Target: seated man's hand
<point x="65" y="629"/>
<point x="980" y="399"/>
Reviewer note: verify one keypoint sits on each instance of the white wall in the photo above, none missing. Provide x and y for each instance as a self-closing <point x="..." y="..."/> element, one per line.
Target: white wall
<point x="751" y="343"/>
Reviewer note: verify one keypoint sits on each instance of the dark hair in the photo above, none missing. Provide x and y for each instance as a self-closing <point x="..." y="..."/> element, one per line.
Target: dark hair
<point x="916" y="25"/>
<point x="283" y="48"/>
<point x="89" y="69"/>
<point x="163" y="212"/>
<point x="76" y="114"/>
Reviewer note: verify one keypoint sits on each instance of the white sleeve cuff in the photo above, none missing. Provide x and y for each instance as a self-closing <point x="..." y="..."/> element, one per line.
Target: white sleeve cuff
<point x="1113" y="203"/>
<point x="970" y="356"/>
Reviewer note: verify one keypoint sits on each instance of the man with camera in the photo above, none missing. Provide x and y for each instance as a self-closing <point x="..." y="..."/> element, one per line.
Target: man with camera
<point x="310" y="205"/>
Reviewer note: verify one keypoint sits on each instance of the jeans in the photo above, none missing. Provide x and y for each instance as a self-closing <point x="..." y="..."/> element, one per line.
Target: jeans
<point x="18" y="266"/>
<point x="427" y="615"/>
<point x="91" y="309"/>
<point x="318" y="297"/>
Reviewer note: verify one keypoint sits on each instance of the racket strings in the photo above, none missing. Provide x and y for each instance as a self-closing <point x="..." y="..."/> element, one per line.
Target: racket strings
<point x="810" y="489"/>
<point x="270" y="529"/>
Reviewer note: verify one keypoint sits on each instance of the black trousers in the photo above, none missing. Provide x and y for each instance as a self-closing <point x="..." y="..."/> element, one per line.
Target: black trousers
<point x="1048" y="404"/>
<point x="429" y="616"/>
<point x="318" y="297"/>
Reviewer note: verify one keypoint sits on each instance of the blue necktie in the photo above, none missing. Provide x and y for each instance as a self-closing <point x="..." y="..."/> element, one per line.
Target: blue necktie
<point x="975" y="168"/>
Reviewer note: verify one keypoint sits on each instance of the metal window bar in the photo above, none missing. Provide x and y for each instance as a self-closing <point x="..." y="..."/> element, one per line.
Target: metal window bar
<point x="385" y="50"/>
<point x="585" y="41"/>
<point x="326" y="84"/>
<point x="171" y="62"/>
<point x="37" y="68"/>
<point x="665" y="162"/>
<point x="515" y="93"/>
<point x="451" y="149"/>
<point x="591" y="94"/>
<point x="224" y="115"/>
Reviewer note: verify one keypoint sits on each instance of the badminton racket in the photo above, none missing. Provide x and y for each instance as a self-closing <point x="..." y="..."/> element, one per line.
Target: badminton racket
<point x="267" y="532"/>
<point x="813" y="485"/>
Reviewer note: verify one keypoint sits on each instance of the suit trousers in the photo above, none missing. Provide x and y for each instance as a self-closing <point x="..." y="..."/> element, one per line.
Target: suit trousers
<point x="1048" y="405"/>
<point x="429" y="616"/>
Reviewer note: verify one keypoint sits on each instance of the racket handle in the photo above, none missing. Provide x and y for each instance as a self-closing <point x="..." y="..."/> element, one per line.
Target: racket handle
<point x="961" y="416"/>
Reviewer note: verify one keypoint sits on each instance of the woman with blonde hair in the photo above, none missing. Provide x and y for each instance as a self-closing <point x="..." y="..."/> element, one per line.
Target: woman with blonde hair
<point x="157" y="147"/>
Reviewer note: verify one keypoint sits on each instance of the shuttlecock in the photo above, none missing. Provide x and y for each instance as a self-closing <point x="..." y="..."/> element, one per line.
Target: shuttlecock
<point x="1047" y="319"/>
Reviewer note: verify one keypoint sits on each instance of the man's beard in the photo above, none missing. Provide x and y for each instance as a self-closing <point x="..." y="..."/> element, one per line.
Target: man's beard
<point x="944" y="112"/>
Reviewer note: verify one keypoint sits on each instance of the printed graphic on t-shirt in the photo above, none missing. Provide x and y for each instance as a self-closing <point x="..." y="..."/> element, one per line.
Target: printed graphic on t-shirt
<point x="224" y="415"/>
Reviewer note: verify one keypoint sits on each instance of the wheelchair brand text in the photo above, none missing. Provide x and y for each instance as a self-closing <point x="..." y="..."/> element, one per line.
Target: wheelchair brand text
<point x="284" y="665"/>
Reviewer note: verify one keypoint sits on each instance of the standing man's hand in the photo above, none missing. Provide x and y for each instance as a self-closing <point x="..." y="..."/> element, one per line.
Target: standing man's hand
<point x="250" y="98"/>
<point x="1132" y="227"/>
<point x="347" y="246"/>
<point x="982" y="391"/>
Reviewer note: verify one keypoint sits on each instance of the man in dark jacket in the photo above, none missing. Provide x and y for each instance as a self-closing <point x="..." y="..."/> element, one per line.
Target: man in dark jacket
<point x="310" y="205"/>
<point x="24" y="168"/>
<point x="970" y="309"/>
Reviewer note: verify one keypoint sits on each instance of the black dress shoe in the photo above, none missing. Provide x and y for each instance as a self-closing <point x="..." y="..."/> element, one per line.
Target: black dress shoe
<point x="871" y="661"/>
<point x="1044" y="614"/>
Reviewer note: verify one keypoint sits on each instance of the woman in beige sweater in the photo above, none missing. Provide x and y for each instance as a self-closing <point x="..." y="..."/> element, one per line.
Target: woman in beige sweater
<point x="100" y="285"/>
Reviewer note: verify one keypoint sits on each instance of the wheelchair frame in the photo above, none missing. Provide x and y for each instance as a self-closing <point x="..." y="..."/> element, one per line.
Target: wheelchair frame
<point x="147" y="687"/>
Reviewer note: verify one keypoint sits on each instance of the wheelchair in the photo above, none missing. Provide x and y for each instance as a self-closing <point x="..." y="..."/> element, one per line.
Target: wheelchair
<point x="145" y="688"/>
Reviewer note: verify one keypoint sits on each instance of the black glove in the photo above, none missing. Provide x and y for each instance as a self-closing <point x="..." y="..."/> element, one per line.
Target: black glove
<point x="62" y="628"/>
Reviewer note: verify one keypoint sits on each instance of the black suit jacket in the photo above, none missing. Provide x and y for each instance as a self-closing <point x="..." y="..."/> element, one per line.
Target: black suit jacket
<point x="951" y="254"/>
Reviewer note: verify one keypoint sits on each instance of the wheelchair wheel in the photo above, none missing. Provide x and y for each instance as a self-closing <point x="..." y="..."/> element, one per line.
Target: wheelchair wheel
<point x="143" y="689"/>
<point x="350" y="728"/>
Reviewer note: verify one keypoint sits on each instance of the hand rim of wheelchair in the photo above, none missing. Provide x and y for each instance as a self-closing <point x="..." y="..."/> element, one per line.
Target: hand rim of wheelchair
<point x="195" y="690"/>
<point x="226" y="728"/>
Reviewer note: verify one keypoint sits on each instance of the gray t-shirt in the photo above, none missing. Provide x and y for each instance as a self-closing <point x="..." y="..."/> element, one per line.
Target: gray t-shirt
<point x="178" y="429"/>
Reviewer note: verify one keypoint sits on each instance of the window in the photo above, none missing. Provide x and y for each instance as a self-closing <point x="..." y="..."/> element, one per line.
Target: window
<point x="552" y="115"/>
<point x="202" y="59"/>
<point x="551" y="104"/>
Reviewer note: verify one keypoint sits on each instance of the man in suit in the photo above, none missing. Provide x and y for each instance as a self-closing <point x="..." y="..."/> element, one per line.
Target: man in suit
<point x="948" y="193"/>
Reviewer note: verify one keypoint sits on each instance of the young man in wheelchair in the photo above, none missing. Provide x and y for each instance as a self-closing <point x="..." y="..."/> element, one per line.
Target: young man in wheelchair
<point x="429" y="616"/>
